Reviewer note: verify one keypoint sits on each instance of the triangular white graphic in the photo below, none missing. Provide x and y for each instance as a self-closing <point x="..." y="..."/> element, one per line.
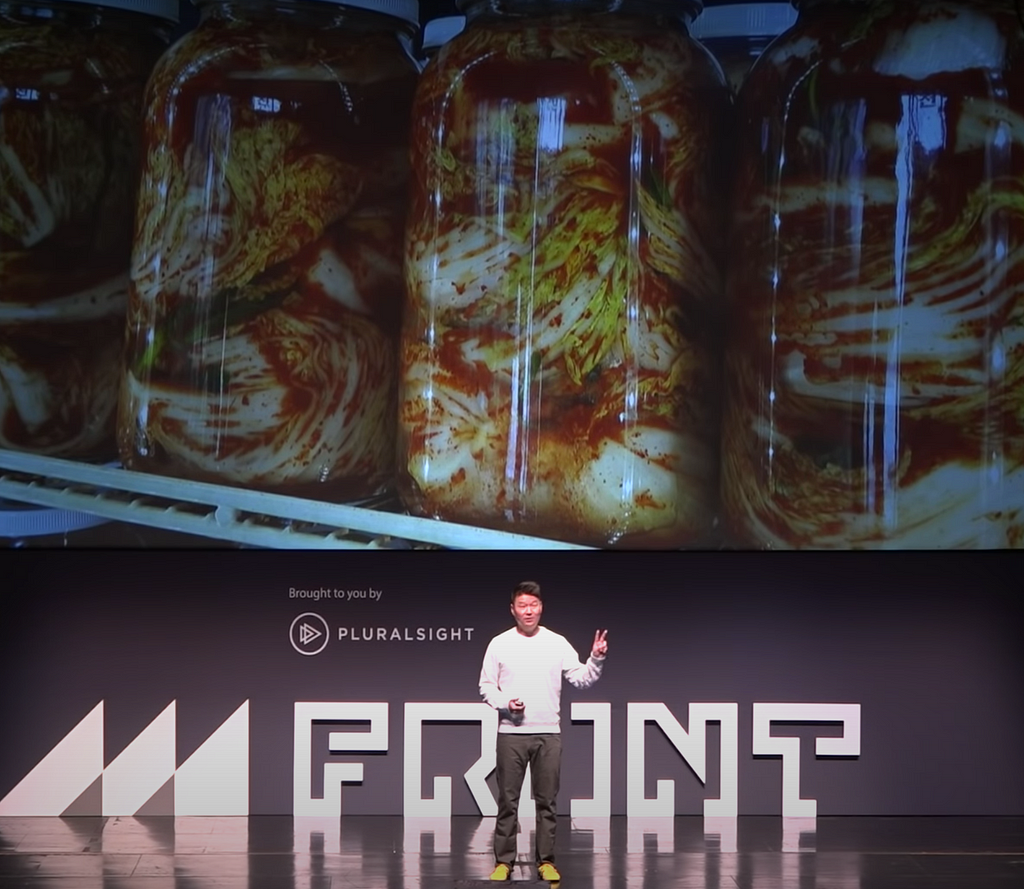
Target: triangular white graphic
<point x="215" y="779"/>
<point x="64" y="774"/>
<point x="308" y="634"/>
<point x="143" y="767"/>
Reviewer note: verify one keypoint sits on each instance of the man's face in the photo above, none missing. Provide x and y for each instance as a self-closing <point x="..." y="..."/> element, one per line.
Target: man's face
<point x="526" y="609"/>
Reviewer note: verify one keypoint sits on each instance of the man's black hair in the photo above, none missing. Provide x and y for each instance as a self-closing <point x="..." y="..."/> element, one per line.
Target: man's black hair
<point x="526" y="588"/>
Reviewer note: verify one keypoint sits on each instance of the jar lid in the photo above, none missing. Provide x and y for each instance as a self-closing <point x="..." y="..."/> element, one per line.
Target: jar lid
<point x="162" y="9"/>
<point x="22" y="520"/>
<point x="691" y="8"/>
<point x="438" y="32"/>
<point x="406" y="10"/>
<point x="744" y="20"/>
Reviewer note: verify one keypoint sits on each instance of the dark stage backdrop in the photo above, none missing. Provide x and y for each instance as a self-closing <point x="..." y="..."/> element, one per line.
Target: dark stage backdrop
<point x="187" y="682"/>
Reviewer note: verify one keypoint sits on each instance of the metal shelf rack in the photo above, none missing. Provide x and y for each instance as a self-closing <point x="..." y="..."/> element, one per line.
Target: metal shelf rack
<point x="237" y="515"/>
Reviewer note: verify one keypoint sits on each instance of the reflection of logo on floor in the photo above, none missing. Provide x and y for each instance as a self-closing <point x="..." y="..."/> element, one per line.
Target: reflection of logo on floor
<point x="306" y="629"/>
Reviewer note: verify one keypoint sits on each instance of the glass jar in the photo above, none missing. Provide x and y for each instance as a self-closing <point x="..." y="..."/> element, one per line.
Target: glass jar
<point x="72" y="77"/>
<point x="266" y="279"/>
<point x="737" y="34"/>
<point x="875" y="369"/>
<point x="561" y="334"/>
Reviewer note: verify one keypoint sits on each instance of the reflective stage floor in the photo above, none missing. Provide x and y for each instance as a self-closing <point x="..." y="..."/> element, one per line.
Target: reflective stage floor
<point x="367" y="852"/>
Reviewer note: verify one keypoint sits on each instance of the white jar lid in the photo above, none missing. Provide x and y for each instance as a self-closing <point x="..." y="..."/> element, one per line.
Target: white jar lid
<point x="437" y="32"/>
<point x="406" y="10"/>
<point x="24" y="520"/>
<point x="744" y="20"/>
<point x="161" y="9"/>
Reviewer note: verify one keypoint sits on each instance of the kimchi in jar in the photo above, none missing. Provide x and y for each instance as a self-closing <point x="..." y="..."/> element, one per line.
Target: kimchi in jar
<point x="561" y="334"/>
<point x="72" y="77"/>
<point x="875" y="367"/>
<point x="266" y="280"/>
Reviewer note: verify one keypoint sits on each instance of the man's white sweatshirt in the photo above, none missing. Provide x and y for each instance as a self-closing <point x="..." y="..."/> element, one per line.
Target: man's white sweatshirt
<point x="531" y="668"/>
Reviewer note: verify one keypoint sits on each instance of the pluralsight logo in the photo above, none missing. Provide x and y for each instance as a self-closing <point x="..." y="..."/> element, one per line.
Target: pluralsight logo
<point x="309" y="633"/>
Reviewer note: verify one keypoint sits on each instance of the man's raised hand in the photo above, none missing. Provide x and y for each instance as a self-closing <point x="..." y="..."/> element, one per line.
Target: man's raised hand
<point x="600" y="648"/>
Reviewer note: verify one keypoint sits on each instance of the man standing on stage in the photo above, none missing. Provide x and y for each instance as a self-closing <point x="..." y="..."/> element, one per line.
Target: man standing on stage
<point x="522" y="679"/>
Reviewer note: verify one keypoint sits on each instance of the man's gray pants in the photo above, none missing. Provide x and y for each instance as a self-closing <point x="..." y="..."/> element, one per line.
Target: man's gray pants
<point x="544" y="755"/>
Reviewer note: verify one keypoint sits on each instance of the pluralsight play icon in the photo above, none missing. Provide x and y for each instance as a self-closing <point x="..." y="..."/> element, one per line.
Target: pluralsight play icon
<point x="309" y="633"/>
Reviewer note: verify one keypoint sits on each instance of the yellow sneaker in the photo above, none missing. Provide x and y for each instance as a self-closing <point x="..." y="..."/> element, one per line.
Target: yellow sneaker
<point x="548" y="872"/>
<point x="501" y="872"/>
